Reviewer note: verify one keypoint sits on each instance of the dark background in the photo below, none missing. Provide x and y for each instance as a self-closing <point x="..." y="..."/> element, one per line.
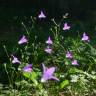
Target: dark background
<point x="79" y="9"/>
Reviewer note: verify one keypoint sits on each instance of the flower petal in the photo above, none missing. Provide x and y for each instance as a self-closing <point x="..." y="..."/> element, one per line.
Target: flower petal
<point x="50" y="71"/>
<point x="55" y="78"/>
<point x="44" y="68"/>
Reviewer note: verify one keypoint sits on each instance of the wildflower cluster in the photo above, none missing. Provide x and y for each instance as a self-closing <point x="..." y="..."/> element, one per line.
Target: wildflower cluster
<point x="70" y="56"/>
<point x="49" y="49"/>
<point x="70" y="63"/>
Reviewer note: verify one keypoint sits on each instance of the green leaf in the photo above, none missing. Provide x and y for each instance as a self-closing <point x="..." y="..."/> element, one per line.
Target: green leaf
<point x="75" y="70"/>
<point x="64" y="83"/>
<point x="31" y="75"/>
<point x="27" y="74"/>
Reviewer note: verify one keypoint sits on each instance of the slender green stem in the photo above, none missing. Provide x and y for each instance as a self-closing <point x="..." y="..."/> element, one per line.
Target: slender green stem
<point x="25" y="28"/>
<point x="5" y="49"/>
<point x="8" y="75"/>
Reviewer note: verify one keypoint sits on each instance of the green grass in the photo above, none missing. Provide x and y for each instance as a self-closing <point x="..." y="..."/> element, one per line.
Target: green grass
<point x="74" y="80"/>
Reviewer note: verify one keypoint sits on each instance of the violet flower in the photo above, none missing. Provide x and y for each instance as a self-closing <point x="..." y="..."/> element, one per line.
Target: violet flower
<point x="48" y="74"/>
<point x="74" y="62"/>
<point x="69" y="55"/>
<point x="28" y="68"/>
<point x="23" y="40"/>
<point x="41" y="15"/>
<point x="49" y="41"/>
<point x="85" y="37"/>
<point x="15" y="60"/>
<point x="66" y="27"/>
<point x="48" y="50"/>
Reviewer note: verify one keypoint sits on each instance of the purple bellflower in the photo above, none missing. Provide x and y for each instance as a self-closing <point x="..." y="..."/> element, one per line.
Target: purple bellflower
<point x="41" y="15"/>
<point x="48" y="74"/>
<point x="69" y="55"/>
<point x="28" y="68"/>
<point x="74" y="62"/>
<point x="49" y="41"/>
<point x="15" y="60"/>
<point x="48" y="50"/>
<point x="66" y="27"/>
<point x="85" y="37"/>
<point x="23" y="40"/>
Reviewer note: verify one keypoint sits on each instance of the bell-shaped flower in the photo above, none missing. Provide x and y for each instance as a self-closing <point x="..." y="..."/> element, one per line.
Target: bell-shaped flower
<point x="41" y="15"/>
<point x="69" y="55"/>
<point x="66" y="27"/>
<point x="28" y="68"/>
<point x="74" y="62"/>
<point x="48" y="73"/>
<point x="85" y="37"/>
<point x="48" y="50"/>
<point x="49" y="41"/>
<point x="23" y="40"/>
<point x="15" y="60"/>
